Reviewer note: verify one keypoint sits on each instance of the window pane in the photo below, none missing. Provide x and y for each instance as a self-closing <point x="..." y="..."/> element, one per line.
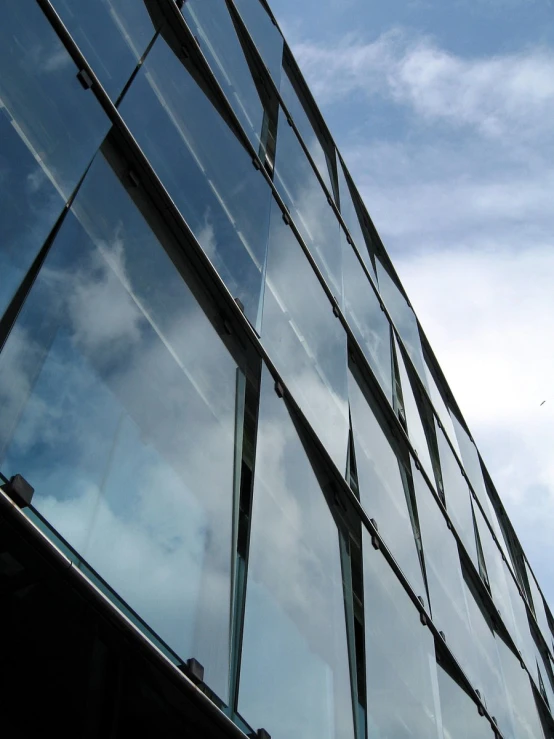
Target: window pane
<point x="224" y="200"/>
<point x="457" y="496"/>
<point x="305" y="340"/>
<point x="211" y="23"/>
<point x="522" y="635"/>
<point x="381" y="484"/>
<point x="350" y="216"/>
<point x="444" y="577"/>
<point x="402" y="690"/>
<point x="366" y="319"/>
<point x="441" y="409"/>
<point x="112" y="34"/>
<point x="302" y="193"/>
<point x="294" y="671"/>
<point x="49" y="130"/>
<point x="119" y="400"/>
<point x="472" y="466"/>
<point x="304" y="126"/>
<point x="538" y="606"/>
<point x="460" y="719"/>
<point x="265" y="35"/>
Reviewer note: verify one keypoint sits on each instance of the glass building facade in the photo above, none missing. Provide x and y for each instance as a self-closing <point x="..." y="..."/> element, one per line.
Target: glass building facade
<point x="257" y="507"/>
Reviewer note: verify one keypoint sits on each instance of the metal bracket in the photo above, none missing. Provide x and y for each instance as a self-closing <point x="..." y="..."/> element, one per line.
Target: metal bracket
<point x="19" y="490"/>
<point x="85" y="79"/>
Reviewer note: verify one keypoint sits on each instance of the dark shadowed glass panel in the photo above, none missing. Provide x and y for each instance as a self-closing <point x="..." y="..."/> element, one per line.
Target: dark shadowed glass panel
<point x="527" y="723"/>
<point x="265" y="35"/>
<point x="444" y="577"/>
<point x="294" y="671"/>
<point x="209" y="175"/>
<point x="306" y="130"/>
<point x="365" y="317"/>
<point x="118" y="404"/>
<point x="457" y="496"/>
<point x="305" y="340"/>
<point x="350" y="216"/>
<point x="490" y="682"/>
<point x="460" y="719"/>
<point x="300" y="189"/>
<point x="49" y="130"/>
<point x="401" y="675"/>
<point x="414" y="423"/>
<point x="538" y="607"/>
<point x="541" y="668"/>
<point x="211" y="23"/>
<point x="403" y="318"/>
<point x="382" y="487"/>
<point x="112" y="34"/>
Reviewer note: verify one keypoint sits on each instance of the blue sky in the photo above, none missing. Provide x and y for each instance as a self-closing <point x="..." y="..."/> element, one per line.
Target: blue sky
<point x="443" y="111"/>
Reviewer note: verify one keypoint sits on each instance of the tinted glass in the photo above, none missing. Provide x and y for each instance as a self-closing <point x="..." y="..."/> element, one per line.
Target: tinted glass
<point x="118" y="401"/>
<point x="442" y="411"/>
<point x="472" y="466"/>
<point x="49" y="130"/>
<point x="211" y="24"/>
<point x="460" y="719"/>
<point x="350" y="216"/>
<point x="294" y="672"/>
<point x="382" y="486"/>
<point x="543" y="669"/>
<point x="112" y="34"/>
<point x="302" y="192"/>
<point x="538" y="607"/>
<point x="444" y="577"/>
<point x="265" y="35"/>
<point x="403" y="318"/>
<point x="522" y="636"/>
<point x="401" y="677"/>
<point x="210" y="177"/>
<point x="306" y="130"/>
<point x="366" y="319"/>
<point x="457" y="496"/>
<point x="305" y="340"/>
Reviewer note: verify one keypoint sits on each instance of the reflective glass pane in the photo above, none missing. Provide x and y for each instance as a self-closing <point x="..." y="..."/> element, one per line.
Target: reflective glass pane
<point x="457" y="496"/>
<point x="401" y="676"/>
<point x="382" y="487"/>
<point x="304" y="126"/>
<point x="209" y="175"/>
<point x="440" y="407"/>
<point x="366" y="319"/>
<point x="543" y="668"/>
<point x="294" y="671"/>
<point x="472" y="466"/>
<point x="444" y="577"/>
<point x="490" y="682"/>
<point x="350" y="216"/>
<point x="460" y="719"/>
<point x="403" y="318"/>
<point x="538" y="606"/>
<point x="49" y="130"/>
<point x="302" y="193"/>
<point x="416" y="431"/>
<point x="522" y="636"/>
<point x="520" y="695"/>
<point x="211" y="23"/>
<point x="112" y="34"/>
<point x="118" y="402"/>
<point x="265" y="35"/>
<point x="305" y="340"/>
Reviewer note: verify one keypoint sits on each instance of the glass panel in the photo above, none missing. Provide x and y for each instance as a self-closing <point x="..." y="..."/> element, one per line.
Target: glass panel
<point x="350" y="216"/>
<point x="366" y="319"/>
<point x="472" y="466"/>
<point x="444" y="577"/>
<point x="490" y="682"/>
<point x="224" y="200"/>
<point x="305" y="128"/>
<point x="211" y="23"/>
<point x="49" y="130"/>
<point x="440" y="407"/>
<point x="265" y="35"/>
<point x="294" y="671"/>
<point x="112" y="34"/>
<point x="118" y="402"/>
<point x="541" y="674"/>
<point x="403" y="318"/>
<point x="522" y="636"/>
<point x="520" y="695"/>
<point x="460" y="719"/>
<point x="457" y="496"/>
<point x="402" y="689"/>
<point x="416" y="431"/>
<point x="538" y="606"/>
<point x="381" y="484"/>
<point x="302" y="193"/>
<point x="305" y="340"/>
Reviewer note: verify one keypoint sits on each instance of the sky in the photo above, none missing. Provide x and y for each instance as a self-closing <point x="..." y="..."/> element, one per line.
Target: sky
<point x="443" y="111"/>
